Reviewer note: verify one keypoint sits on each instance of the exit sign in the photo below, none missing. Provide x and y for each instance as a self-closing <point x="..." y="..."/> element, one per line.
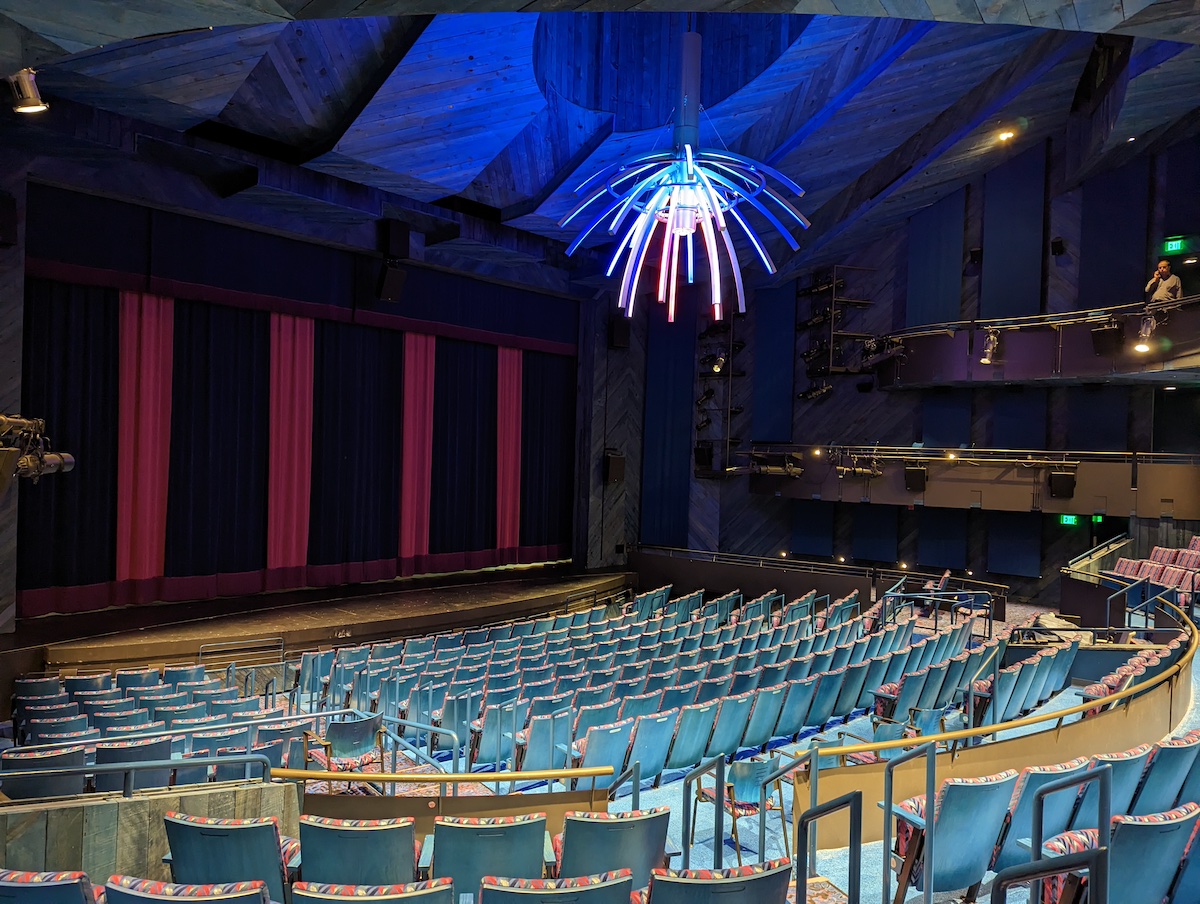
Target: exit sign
<point x="1173" y="246"/>
<point x="1068" y="520"/>
<point x="1097" y="519"/>
<point x="1180" y="244"/>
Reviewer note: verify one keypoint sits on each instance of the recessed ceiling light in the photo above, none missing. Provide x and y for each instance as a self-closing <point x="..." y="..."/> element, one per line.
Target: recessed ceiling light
<point x="1127" y="140"/>
<point x="1190" y="260"/>
<point x="1169" y="388"/>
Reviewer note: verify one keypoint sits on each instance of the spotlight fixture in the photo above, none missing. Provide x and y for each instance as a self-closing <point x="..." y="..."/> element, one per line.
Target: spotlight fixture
<point x="718" y="363"/>
<point x="885" y="349"/>
<point x="690" y="192"/>
<point x="705" y="396"/>
<point x="780" y="464"/>
<point x="705" y="423"/>
<point x="855" y="469"/>
<point x="1007" y="135"/>
<point x="990" y="347"/>
<point x="26" y="98"/>
<point x="1145" y="331"/>
<point x="813" y="393"/>
<point x="736" y="410"/>
<point x="815" y="351"/>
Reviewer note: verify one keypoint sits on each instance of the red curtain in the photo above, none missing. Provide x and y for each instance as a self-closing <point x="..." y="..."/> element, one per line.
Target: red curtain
<point x="508" y="454"/>
<point x="143" y="435"/>
<point x="290" y="468"/>
<point x="416" y="456"/>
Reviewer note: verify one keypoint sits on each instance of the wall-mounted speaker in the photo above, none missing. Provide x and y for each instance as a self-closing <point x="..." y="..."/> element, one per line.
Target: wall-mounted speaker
<point x="914" y="479"/>
<point x="390" y="284"/>
<point x="1108" y="341"/>
<point x="614" y="467"/>
<point x="1062" y="484"/>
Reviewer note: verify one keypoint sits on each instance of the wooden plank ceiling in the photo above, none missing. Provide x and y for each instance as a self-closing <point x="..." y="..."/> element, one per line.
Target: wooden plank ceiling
<point x="498" y="115"/>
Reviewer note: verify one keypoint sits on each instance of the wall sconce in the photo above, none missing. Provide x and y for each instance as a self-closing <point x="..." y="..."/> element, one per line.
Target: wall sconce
<point x="1149" y="324"/>
<point x="991" y="347"/>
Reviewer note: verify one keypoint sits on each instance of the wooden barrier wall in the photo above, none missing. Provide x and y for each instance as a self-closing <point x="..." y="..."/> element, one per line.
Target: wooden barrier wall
<point x="104" y="834"/>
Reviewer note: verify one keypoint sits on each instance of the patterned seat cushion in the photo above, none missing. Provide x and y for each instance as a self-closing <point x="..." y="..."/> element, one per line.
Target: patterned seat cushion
<point x="415" y="889"/>
<point x="343" y="764"/>
<point x="620" y="875"/>
<point x="86" y="889"/>
<point x="737" y="872"/>
<point x="171" y="890"/>
<point x="739" y="808"/>
<point x="488" y="820"/>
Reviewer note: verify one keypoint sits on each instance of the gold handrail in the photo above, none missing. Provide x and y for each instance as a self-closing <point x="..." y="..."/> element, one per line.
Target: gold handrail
<point x="444" y="778"/>
<point x="965" y="733"/>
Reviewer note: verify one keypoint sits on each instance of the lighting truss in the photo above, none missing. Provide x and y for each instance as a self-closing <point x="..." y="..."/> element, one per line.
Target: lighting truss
<point x="687" y="191"/>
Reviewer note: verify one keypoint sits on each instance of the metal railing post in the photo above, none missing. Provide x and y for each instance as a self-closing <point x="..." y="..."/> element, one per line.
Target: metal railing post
<point x="1038" y="870"/>
<point x="805" y="867"/>
<point x="791" y="765"/>
<point x="717" y="765"/>
<point x="929" y="751"/>
<point x="1103" y="775"/>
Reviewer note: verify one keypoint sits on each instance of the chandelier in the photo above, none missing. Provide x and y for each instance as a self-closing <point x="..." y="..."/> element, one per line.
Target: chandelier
<point x="687" y="191"/>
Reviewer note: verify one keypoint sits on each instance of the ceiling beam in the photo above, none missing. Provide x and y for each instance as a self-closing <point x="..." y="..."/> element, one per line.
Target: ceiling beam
<point x="845" y="82"/>
<point x="839" y="215"/>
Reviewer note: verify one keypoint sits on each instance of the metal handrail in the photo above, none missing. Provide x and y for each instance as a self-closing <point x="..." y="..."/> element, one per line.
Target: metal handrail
<point x="430" y="731"/>
<point x="1103" y="775"/>
<point x="929" y="751"/>
<point x="1091" y="860"/>
<point x="804" y="869"/>
<point x="444" y="778"/>
<point x="632" y="773"/>
<point x="129" y="769"/>
<point x="1098" y="551"/>
<point x="1124" y="591"/>
<point x="811" y="756"/>
<point x="717" y="766"/>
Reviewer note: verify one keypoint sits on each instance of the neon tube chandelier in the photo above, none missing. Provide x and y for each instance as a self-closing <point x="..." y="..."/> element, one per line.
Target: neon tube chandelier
<point x="688" y="191"/>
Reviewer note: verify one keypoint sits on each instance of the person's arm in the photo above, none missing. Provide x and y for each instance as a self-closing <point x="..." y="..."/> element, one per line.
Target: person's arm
<point x="1174" y="287"/>
<point x="1152" y="285"/>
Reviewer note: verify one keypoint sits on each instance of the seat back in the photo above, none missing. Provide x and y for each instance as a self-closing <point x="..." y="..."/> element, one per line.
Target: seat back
<point x="206" y="851"/>
<point x="73" y="684"/>
<point x="652" y="741"/>
<point x="48" y="785"/>
<point x="135" y="750"/>
<point x="692" y="734"/>
<point x="1125" y="777"/>
<point x="1146" y="852"/>
<point x="1056" y="809"/>
<point x="357" y="851"/>
<point x="353" y="737"/>
<point x="176" y="674"/>
<point x="17" y="887"/>
<point x="746" y="777"/>
<point x="548" y="742"/>
<point x="603" y="842"/>
<point x="829" y="686"/>
<point x="127" y="678"/>
<point x="730" y="725"/>
<point x="1171" y="762"/>
<point x="796" y="703"/>
<point x="760" y="727"/>
<point x="39" y="728"/>
<point x="760" y="883"/>
<point x="468" y="849"/>
<point x="607" y="745"/>
<point x="971" y="810"/>
<point x="681" y="695"/>
<point x="41" y="686"/>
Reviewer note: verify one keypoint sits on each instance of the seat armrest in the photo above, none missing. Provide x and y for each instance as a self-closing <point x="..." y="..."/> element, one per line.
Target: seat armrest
<point x="426" y="861"/>
<point x="548" y="857"/>
<point x="911" y="818"/>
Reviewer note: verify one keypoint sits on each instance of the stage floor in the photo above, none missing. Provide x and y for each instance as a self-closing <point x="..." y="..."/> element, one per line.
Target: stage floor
<point x="327" y="622"/>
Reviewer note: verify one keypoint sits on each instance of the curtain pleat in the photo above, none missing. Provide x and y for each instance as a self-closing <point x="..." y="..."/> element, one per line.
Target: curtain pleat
<point x="289" y="480"/>
<point x="416" y="457"/>
<point x="508" y="453"/>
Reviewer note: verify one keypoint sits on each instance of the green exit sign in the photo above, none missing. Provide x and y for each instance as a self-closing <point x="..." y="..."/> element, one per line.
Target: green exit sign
<point x="1172" y="246"/>
<point x="1097" y="519"/>
<point x="1068" y="520"/>
<point x="1180" y="244"/>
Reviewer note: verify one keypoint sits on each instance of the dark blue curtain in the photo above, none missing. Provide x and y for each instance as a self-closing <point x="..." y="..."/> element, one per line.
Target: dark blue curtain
<point x="935" y="262"/>
<point x="1176" y="414"/>
<point x="1098" y="418"/>
<point x="1014" y="543"/>
<point x="946" y="419"/>
<point x="462" y="515"/>
<point x="1113" y="265"/>
<point x="875" y="532"/>
<point x="355" y="513"/>
<point x="812" y="527"/>
<point x="942" y="538"/>
<point x="1014" y="200"/>
<point x="670" y="405"/>
<point x="774" y="364"/>
<point x="547" y="448"/>
<point x="1019" y="420"/>
<point x="217" y="488"/>
<point x="66" y="532"/>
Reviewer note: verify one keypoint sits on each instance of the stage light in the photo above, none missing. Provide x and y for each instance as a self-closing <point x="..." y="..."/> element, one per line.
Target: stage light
<point x="842" y="559"/>
<point x="705" y="396"/>
<point x="813" y="393"/>
<point x="991" y="346"/>
<point x="1145" y="331"/>
<point x="718" y="364"/>
<point x="704" y="424"/>
<point x="783" y="554"/>
<point x="689" y="191"/>
<point x="1007" y="135"/>
<point x="26" y="97"/>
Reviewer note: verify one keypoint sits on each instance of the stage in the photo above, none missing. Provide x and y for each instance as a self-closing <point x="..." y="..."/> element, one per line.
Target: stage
<point x="259" y="628"/>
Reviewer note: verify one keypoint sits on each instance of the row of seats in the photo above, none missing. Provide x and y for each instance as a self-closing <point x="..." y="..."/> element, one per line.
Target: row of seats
<point x="1177" y="569"/>
<point x="1154" y="789"/>
<point x="1140" y="667"/>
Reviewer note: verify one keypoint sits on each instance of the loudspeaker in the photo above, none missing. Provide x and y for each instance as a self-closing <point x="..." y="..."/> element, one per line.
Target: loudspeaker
<point x="975" y="255"/>
<point x="390" y="284"/>
<point x="1062" y="484"/>
<point x="1058" y="247"/>
<point x="394" y="240"/>
<point x="1108" y="341"/>
<point x="618" y="331"/>
<point x="614" y="467"/>
<point x="914" y="479"/>
<point x="703" y="453"/>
